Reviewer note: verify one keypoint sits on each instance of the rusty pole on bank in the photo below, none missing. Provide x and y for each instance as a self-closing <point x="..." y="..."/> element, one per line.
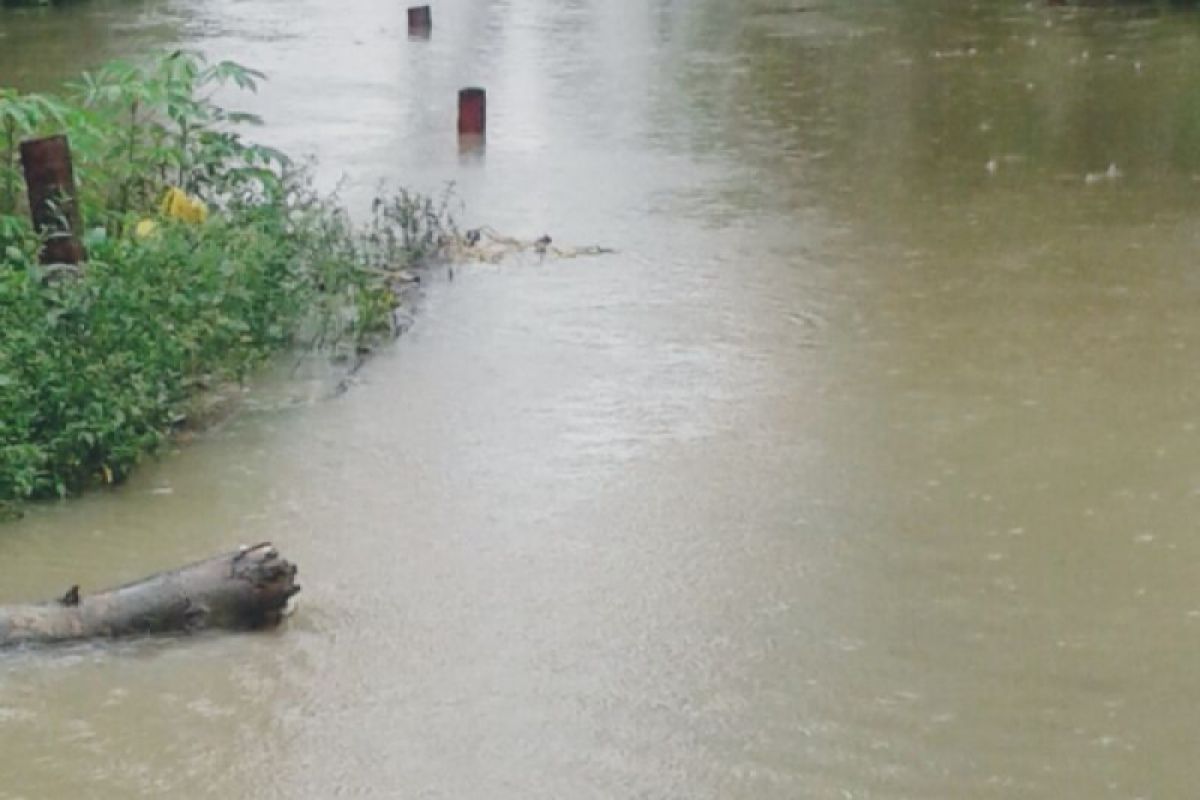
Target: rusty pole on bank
<point x="53" y="203"/>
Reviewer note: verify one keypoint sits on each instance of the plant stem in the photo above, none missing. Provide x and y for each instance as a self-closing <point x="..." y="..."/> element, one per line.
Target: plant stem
<point x="183" y="137"/>
<point x="123" y="205"/>
<point x="9" y="205"/>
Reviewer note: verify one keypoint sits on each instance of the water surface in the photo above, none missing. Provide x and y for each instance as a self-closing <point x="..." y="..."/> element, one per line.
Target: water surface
<point x="865" y="469"/>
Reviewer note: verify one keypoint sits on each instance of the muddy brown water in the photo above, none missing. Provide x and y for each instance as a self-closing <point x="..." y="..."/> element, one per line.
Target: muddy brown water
<point x="868" y="468"/>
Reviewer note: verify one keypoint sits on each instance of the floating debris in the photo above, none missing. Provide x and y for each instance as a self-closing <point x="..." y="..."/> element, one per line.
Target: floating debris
<point x="1110" y="174"/>
<point x="487" y="246"/>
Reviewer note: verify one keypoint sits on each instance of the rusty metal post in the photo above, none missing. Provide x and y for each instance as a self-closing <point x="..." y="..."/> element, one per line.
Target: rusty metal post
<point x="472" y="111"/>
<point x="420" y="21"/>
<point x="53" y="204"/>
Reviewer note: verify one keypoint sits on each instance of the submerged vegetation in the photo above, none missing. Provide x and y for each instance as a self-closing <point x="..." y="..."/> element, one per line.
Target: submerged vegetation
<point x="98" y="364"/>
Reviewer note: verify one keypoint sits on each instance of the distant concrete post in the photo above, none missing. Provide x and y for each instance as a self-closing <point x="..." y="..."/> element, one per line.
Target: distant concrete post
<point x="420" y="21"/>
<point x="472" y="111"/>
<point x="53" y="203"/>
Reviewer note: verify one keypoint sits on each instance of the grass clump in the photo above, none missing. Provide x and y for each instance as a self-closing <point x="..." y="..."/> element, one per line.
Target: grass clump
<point x="99" y="365"/>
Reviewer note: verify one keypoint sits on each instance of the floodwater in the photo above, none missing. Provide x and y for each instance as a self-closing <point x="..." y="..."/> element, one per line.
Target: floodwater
<point x="869" y="467"/>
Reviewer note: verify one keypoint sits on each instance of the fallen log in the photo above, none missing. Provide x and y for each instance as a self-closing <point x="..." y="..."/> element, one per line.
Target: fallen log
<point x="242" y="590"/>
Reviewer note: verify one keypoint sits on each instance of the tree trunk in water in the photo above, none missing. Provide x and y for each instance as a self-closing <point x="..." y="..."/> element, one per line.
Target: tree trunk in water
<point x="242" y="590"/>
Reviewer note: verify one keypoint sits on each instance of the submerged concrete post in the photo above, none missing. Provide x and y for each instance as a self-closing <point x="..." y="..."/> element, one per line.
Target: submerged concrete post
<point x="53" y="204"/>
<point x="472" y="111"/>
<point x="420" y="21"/>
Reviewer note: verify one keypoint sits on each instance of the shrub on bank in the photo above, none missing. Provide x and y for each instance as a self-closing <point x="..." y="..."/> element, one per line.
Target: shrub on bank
<point x="97" y="366"/>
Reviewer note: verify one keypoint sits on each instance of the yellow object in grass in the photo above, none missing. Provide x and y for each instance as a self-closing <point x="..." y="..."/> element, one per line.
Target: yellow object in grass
<point x="145" y="228"/>
<point x="176" y="203"/>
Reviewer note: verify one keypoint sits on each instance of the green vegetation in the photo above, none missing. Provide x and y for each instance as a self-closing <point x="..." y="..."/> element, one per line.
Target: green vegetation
<point x="99" y="365"/>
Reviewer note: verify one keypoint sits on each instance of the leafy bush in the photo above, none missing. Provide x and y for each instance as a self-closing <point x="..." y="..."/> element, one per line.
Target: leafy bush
<point x="97" y="367"/>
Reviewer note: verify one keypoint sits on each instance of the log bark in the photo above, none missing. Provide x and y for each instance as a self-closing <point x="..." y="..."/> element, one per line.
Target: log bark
<point x="242" y="590"/>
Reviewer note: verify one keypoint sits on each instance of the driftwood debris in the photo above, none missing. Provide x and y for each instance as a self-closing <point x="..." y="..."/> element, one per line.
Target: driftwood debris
<point x="487" y="246"/>
<point x="245" y="589"/>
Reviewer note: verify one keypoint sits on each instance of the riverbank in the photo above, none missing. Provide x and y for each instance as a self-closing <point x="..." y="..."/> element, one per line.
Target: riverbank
<point x="101" y="364"/>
